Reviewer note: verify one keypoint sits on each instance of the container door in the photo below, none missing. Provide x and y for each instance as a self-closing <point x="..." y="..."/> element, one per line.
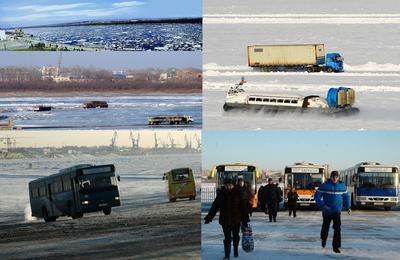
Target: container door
<point x="320" y="53"/>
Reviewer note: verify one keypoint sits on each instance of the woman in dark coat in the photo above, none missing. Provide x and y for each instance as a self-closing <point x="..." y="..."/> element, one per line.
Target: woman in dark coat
<point x="232" y="212"/>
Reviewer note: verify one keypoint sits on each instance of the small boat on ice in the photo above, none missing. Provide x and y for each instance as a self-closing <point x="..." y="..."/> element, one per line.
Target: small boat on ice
<point x="41" y="108"/>
<point x="338" y="100"/>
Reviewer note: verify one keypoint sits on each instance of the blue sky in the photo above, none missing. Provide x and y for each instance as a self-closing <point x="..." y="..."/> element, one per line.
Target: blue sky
<point x="275" y="150"/>
<point x="27" y="12"/>
<point x="105" y="60"/>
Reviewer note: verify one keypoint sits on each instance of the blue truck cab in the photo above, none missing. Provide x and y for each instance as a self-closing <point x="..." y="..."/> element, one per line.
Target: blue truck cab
<point x="334" y="62"/>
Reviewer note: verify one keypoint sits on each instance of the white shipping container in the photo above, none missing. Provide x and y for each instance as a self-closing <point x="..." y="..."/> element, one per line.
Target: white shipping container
<point x="285" y="55"/>
<point x="3" y="35"/>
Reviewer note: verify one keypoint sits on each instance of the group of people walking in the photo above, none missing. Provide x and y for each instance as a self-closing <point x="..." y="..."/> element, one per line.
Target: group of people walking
<point x="235" y="204"/>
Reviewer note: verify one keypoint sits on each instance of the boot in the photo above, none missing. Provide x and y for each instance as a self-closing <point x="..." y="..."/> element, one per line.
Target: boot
<point x="235" y="249"/>
<point x="227" y="248"/>
<point x="336" y="250"/>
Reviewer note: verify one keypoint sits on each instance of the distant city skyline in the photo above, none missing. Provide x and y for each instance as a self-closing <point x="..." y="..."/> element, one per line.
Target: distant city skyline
<point x="275" y="150"/>
<point x="105" y="59"/>
<point x="20" y="13"/>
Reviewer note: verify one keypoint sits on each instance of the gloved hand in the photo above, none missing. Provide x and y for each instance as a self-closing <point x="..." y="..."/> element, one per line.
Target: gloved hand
<point x="206" y="221"/>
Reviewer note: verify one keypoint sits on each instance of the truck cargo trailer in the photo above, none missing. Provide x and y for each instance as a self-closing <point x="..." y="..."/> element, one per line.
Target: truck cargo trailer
<point x="308" y="57"/>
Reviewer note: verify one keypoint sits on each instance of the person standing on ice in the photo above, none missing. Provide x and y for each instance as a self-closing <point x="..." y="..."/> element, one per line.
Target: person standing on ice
<point x="292" y="197"/>
<point x="330" y="197"/>
<point x="232" y="212"/>
<point x="246" y="194"/>
<point x="272" y="196"/>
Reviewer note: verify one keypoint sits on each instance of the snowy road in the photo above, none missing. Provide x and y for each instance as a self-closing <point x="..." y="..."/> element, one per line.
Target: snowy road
<point x="365" y="235"/>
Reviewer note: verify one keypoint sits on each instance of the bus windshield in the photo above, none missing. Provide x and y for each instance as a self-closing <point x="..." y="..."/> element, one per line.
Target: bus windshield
<point x="180" y="175"/>
<point x="376" y="180"/>
<point x="306" y="180"/>
<point x="94" y="182"/>
<point x="248" y="176"/>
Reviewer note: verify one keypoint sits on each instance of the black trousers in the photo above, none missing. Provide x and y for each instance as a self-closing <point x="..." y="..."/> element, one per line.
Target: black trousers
<point x="292" y="209"/>
<point x="231" y="233"/>
<point x="336" y="243"/>
<point x="272" y="210"/>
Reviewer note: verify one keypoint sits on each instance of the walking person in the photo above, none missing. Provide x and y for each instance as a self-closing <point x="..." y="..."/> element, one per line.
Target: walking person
<point x="330" y="197"/>
<point x="272" y="199"/>
<point x="232" y="212"/>
<point x="247" y="195"/>
<point x="261" y="200"/>
<point x="292" y="201"/>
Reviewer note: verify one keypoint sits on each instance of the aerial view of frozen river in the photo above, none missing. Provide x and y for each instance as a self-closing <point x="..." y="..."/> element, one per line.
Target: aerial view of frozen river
<point x="366" y="37"/>
<point x="122" y="112"/>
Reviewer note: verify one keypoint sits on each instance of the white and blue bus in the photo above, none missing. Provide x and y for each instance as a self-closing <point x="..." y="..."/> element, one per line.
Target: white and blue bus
<point x="372" y="184"/>
<point x="73" y="191"/>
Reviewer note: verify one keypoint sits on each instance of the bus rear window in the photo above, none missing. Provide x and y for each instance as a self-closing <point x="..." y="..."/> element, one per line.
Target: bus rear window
<point x="180" y="176"/>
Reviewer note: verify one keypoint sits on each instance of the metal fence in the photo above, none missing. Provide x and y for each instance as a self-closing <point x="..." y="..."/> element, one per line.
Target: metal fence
<point x="208" y="194"/>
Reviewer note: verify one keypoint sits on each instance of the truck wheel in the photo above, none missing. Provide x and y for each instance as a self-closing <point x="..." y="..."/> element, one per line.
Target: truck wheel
<point x="172" y="200"/>
<point x="310" y="69"/>
<point x="329" y="69"/>
<point x="225" y="107"/>
<point x="107" y="211"/>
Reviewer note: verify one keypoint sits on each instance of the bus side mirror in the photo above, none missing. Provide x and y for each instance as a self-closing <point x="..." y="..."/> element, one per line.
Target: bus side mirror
<point x="118" y="178"/>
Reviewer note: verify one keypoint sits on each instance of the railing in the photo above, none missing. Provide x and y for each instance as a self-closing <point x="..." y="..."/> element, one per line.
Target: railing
<point x="208" y="194"/>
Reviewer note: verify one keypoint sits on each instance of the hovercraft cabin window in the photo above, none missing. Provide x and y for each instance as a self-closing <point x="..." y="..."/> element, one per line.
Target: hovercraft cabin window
<point x="266" y="100"/>
<point x="294" y="101"/>
<point x="252" y="99"/>
<point x="280" y="100"/>
<point x="258" y="100"/>
<point x="258" y="49"/>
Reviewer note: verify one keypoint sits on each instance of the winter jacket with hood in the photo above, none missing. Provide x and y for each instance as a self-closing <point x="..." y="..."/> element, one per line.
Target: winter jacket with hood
<point x="331" y="197"/>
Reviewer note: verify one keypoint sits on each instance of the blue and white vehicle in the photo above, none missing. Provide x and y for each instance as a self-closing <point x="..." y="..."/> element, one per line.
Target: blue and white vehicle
<point x="372" y="184"/>
<point x="338" y="100"/>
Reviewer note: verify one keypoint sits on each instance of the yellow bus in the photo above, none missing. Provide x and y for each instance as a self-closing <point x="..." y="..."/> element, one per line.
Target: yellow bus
<point x="249" y="173"/>
<point x="181" y="184"/>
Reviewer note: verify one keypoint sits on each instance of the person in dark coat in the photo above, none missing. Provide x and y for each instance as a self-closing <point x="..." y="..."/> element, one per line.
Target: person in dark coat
<point x="247" y="194"/>
<point x="232" y="212"/>
<point x="292" y="201"/>
<point x="330" y="198"/>
<point x="272" y="195"/>
<point x="261" y="199"/>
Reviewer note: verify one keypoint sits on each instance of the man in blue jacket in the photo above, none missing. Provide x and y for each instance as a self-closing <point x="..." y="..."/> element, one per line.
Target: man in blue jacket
<point x="330" y="197"/>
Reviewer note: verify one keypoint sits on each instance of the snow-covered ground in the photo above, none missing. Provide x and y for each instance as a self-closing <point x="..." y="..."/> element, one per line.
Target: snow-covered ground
<point x="365" y="235"/>
<point x="366" y="35"/>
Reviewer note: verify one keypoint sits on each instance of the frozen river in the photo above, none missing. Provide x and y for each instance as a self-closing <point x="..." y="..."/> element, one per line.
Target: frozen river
<point x="366" y="37"/>
<point x="365" y="235"/>
<point x="122" y="111"/>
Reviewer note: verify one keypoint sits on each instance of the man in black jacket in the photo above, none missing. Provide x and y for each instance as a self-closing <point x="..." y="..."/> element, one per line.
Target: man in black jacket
<point x="292" y="201"/>
<point x="232" y="211"/>
<point x="272" y="195"/>
<point x="247" y="194"/>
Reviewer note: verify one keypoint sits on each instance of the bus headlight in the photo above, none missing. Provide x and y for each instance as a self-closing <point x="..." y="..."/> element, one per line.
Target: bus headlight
<point x="362" y="198"/>
<point x="393" y="199"/>
<point x="85" y="202"/>
<point x="116" y="198"/>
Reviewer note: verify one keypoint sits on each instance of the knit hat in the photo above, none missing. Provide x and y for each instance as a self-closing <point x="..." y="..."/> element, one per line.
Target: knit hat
<point x="334" y="173"/>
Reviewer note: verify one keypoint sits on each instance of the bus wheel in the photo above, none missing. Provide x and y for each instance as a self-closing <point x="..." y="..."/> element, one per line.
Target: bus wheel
<point x="107" y="211"/>
<point x="329" y="69"/>
<point x="46" y="216"/>
<point x="387" y="208"/>
<point x="192" y="198"/>
<point x="172" y="200"/>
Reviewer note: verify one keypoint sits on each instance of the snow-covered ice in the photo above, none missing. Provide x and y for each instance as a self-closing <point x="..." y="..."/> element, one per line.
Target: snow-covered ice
<point x="366" y="36"/>
<point x="365" y="235"/>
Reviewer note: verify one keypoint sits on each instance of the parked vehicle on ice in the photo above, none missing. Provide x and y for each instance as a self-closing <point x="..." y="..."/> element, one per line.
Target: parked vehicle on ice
<point x="306" y="178"/>
<point x="338" y="100"/>
<point x="170" y="120"/>
<point x="74" y="191"/>
<point x="249" y="173"/>
<point x="181" y="184"/>
<point x="308" y="57"/>
<point x="95" y="104"/>
<point x="372" y="184"/>
<point x="41" y="108"/>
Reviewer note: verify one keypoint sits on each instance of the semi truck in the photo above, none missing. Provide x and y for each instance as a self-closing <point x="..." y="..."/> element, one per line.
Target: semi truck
<point x="294" y="57"/>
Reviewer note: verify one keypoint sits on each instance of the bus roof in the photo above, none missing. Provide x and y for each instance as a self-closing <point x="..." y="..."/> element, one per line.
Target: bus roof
<point x="68" y="170"/>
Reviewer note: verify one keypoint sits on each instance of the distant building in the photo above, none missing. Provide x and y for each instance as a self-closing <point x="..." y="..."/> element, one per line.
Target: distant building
<point x="163" y="77"/>
<point x="171" y="73"/>
<point x="187" y="74"/>
<point x="49" y="72"/>
<point x="3" y="36"/>
<point x="118" y="74"/>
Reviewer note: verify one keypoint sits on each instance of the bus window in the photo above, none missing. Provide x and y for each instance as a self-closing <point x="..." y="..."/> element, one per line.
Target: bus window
<point x="89" y="183"/>
<point x="42" y="190"/>
<point x="181" y="176"/>
<point x="66" y="183"/>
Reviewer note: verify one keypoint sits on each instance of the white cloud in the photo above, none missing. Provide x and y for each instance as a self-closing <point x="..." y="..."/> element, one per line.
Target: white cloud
<point x="47" y="8"/>
<point x="128" y="4"/>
